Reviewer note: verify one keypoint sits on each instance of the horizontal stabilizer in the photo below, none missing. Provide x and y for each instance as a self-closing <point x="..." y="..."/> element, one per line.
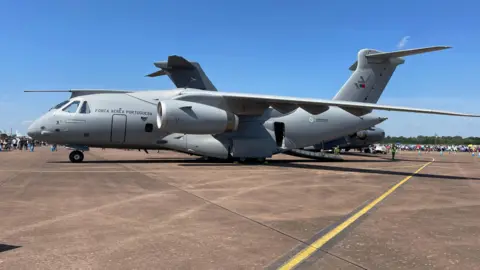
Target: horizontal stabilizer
<point x="173" y="62"/>
<point x="157" y="73"/>
<point x="396" y="54"/>
<point x="183" y="73"/>
<point x="353" y="67"/>
<point x="386" y="55"/>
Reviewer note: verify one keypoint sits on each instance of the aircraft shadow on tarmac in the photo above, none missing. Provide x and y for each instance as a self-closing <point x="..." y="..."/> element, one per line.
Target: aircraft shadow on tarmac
<point x="297" y="164"/>
<point x="288" y="163"/>
<point x="372" y="171"/>
<point x="4" y="247"/>
<point x="215" y="162"/>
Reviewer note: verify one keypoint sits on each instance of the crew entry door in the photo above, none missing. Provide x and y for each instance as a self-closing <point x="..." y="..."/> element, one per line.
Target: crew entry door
<point x="119" y="128"/>
<point x="279" y="129"/>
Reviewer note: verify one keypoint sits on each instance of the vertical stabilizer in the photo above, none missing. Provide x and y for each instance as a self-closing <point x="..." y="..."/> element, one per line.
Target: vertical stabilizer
<point x="372" y="72"/>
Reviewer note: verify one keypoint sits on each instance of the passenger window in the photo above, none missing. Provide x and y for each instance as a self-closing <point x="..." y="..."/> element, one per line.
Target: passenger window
<point x="148" y="128"/>
<point x="72" y="108"/>
<point x="84" y="108"/>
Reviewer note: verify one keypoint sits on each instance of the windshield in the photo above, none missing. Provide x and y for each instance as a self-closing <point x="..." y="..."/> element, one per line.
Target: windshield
<point x="59" y="105"/>
<point x="72" y="107"/>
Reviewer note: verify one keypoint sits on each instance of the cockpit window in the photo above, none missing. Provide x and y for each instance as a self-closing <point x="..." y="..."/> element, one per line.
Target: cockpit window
<point x="84" y="108"/>
<point x="59" y="105"/>
<point x="72" y="107"/>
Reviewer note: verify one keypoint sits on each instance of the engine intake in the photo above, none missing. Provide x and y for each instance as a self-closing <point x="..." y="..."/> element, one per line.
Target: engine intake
<point x="373" y="134"/>
<point x="362" y="135"/>
<point x="178" y="116"/>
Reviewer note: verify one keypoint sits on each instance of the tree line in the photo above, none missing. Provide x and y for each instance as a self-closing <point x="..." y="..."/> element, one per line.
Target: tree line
<point x="450" y="140"/>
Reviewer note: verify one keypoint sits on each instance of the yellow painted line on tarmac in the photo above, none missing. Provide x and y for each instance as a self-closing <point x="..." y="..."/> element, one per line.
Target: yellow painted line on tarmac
<point x="306" y="252"/>
<point x="385" y="167"/>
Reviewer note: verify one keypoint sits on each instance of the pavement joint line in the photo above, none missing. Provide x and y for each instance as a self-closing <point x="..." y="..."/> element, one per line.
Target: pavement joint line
<point x="305" y="253"/>
<point x="241" y="215"/>
<point x="156" y="171"/>
<point x="309" y="246"/>
<point x="18" y="172"/>
<point x="235" y="213"/>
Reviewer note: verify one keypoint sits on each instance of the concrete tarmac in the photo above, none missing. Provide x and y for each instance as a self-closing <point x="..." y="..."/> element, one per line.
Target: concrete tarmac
<point x="131" y="210"/>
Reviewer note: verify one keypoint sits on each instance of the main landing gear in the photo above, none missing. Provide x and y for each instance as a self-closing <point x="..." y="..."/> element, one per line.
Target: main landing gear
<point x="250" y="160"/>
<point x="76" y="156"/>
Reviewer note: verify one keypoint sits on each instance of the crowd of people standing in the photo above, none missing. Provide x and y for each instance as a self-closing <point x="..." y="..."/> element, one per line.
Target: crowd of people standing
<point x="17" y="144"/>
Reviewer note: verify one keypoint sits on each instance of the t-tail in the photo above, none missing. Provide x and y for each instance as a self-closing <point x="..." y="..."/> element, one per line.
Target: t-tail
<point x="184" y="73"/>
<point x="372" y="72"/>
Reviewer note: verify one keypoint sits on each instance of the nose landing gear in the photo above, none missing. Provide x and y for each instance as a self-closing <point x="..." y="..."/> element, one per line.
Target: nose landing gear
<point x="76" y="156"/>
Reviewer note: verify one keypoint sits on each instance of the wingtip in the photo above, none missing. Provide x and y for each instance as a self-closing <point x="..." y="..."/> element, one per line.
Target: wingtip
<point x="45" y="91"/>
<point x="444" y="47"/>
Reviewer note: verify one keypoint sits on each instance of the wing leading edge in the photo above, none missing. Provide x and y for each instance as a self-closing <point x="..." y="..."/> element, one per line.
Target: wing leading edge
<point x="251" y="104"/>
<point x="80" y="92"/>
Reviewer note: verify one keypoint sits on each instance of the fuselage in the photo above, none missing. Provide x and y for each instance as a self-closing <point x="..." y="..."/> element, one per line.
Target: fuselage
<point x="119" y="120"/>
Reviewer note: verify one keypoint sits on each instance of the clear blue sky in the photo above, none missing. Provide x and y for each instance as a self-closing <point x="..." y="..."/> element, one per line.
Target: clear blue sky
<point x="293" y="48"/>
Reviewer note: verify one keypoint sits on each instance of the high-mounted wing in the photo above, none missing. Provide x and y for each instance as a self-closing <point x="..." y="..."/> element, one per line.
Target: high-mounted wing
<point x="81" y="92"/>
<point x="251" y="104"/>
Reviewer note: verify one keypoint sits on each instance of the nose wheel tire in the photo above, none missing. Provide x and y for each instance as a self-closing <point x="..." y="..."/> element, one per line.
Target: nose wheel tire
<point x="76" y="156"/>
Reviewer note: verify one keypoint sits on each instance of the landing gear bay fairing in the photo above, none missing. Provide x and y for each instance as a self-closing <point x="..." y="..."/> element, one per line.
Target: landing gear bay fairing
<point x="202" y="121"/>
<point x="360" y="140"/>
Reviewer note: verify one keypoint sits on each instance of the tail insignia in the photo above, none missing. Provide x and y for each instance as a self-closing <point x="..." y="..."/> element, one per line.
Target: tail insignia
<point x="362" y="83"/>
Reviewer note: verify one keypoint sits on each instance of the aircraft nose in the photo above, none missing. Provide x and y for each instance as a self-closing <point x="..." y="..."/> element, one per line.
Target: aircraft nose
<point x="34" y="129"/>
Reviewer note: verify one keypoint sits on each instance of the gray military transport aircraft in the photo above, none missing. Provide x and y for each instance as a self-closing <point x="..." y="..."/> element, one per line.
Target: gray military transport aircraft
<point x="184" y="73"/>
<point x="234" y="126"/>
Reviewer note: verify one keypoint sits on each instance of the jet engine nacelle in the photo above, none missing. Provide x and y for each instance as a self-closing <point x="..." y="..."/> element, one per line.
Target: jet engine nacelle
<point x="362" y="135"/>
<point x="375" y="134"/>
<point x="178" y="116"/>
